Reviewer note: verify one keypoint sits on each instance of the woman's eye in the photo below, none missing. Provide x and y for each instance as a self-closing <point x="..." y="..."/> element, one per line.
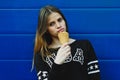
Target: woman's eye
<point x="52" y="24"/>
<point x="60" y="20"/>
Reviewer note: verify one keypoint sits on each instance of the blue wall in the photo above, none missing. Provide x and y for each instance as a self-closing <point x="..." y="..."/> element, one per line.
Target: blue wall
<point x="96" y="20"/>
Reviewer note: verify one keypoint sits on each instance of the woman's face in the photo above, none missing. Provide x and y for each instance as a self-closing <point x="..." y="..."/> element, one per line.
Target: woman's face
<point x="55" y="24"/>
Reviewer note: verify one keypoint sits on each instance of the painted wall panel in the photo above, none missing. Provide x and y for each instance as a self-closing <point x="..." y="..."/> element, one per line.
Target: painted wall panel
<point x="79" y="20"/>
<point x="20" y="46"/>
<point x="15" y="4"/>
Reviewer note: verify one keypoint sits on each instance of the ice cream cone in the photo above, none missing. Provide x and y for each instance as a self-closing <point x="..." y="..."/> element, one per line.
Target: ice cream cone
<point x="63" y="37"/>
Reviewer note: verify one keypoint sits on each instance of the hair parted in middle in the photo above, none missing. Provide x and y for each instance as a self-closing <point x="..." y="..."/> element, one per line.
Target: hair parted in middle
<point x="43" y="38"/>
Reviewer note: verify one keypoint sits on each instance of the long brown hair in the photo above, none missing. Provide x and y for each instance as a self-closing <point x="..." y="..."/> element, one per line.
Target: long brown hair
<point x="43" y="38"/>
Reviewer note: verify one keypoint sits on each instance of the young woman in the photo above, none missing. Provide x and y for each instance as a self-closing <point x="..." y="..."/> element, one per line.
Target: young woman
<point x="75" y="60"/>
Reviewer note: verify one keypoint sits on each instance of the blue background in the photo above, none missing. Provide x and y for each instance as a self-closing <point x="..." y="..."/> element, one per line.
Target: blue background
<point x="96" y="20"/>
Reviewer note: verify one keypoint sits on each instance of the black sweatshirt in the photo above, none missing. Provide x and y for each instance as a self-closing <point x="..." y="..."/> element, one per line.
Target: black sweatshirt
<point x="82" y="64"/>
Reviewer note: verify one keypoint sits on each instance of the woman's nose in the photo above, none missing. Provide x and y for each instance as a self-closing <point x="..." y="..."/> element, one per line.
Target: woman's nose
<point x="58" y="25"/>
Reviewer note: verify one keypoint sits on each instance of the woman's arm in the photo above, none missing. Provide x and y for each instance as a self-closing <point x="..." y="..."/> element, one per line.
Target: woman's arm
<point x="92" y="64"/>
<point x="44" y="72"/>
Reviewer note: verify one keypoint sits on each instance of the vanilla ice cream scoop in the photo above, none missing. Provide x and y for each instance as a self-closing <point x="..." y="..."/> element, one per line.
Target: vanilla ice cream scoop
<point x="63" y="37"/>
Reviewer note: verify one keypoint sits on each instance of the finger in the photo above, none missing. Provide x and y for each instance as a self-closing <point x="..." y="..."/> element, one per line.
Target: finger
<point x="67" y="54"/>
<point x="66" y="51"/>
<point x="67" y="47"/>
<point x="64" y="44"/>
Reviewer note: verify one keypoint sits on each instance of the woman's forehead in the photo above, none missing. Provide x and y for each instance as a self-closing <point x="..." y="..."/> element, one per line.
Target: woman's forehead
<point x="54" y="15"/>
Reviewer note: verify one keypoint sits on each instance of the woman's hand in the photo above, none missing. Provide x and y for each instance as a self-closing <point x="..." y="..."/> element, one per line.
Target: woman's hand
<point x="62" y="53"/>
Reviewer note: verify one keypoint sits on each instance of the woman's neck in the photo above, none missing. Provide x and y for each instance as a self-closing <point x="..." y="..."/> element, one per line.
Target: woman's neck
<point x="55" y="43"/>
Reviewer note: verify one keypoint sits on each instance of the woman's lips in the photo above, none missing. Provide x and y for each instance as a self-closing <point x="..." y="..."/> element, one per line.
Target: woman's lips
<point x="61" y="30"/>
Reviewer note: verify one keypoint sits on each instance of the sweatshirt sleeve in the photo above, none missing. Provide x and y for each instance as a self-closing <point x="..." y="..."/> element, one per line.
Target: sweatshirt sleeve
<point x="44" y="72"/>
<point x="92" y="64"/>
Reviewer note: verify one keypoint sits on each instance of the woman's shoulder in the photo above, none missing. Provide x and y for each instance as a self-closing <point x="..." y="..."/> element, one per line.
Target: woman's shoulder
<point x="79" y="41"/>
<point x="80" y="44"/>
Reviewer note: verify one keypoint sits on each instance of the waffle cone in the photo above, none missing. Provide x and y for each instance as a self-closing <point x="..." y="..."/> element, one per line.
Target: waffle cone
<point x="63" y="37"/>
